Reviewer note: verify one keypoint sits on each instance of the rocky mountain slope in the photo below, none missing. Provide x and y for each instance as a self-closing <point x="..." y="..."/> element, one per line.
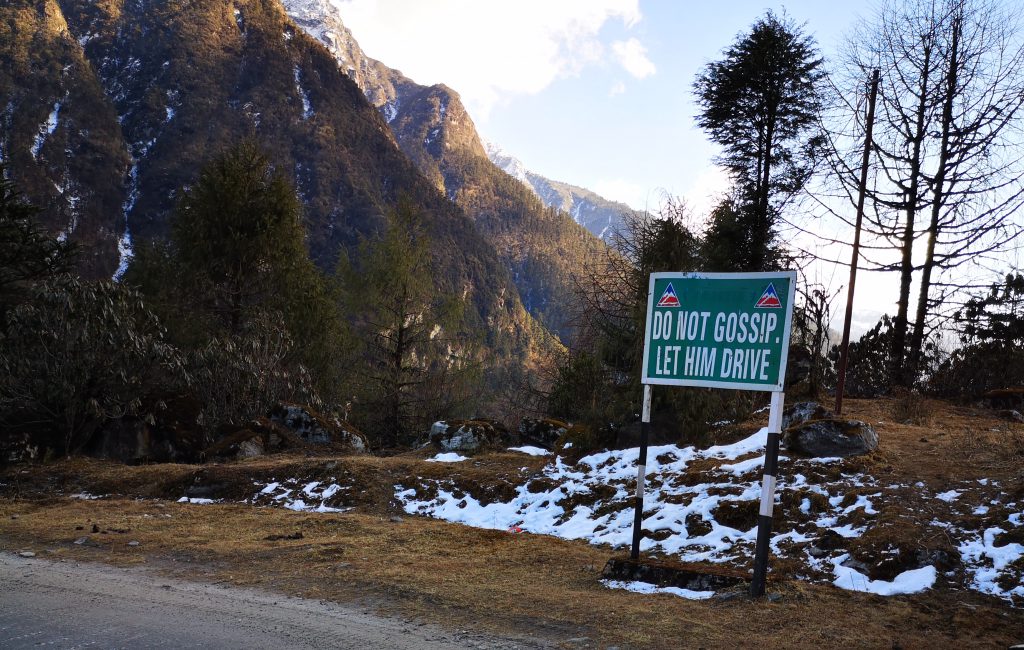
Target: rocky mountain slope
<point x="110" y="107"/>
<point x="592" y="211"/>
<point x="541" y="246"/>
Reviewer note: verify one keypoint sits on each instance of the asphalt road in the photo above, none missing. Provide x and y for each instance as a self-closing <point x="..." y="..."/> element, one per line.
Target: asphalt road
<point x="73" y="605"/>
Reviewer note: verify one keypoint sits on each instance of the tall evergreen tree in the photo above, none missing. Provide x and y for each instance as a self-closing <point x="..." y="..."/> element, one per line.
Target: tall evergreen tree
<point x="760" y="103"/>
<point x="414" y="361"/>
<point x="237" y="255"/>
<point x="28" y="255"/>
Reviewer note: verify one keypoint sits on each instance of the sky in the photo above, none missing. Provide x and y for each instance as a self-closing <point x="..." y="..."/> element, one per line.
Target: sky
<point x="598" y="93"/>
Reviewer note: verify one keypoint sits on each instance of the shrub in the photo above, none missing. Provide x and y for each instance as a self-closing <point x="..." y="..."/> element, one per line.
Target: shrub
<point x="240" y="378"/>
<point x="78" y="354"/>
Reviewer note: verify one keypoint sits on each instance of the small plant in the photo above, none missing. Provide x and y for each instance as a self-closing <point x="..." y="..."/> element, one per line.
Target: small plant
<point x="909" y="407"/>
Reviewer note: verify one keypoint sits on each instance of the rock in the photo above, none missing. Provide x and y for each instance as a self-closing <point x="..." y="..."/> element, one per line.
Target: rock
<point x="260" y="437"/>
<point x="463" y="435"/>
<point x="829" y="438"/>
<point x="81" y="541"/>
<point x="133" y="543"/>
<point x="666" y="573"/>
<point x="1005" y="398"/>
<point x="542" y="433"/>
<point x="1012" y="415"/>
<point x="27" y="554"/>
<point x="171" y="434"/>
<point x="313" y="427"/>
<point x="18" y="448"/>
<point x="804" y="411"/>
<point x="395" y="519"/>
<point x="204" y="491"/>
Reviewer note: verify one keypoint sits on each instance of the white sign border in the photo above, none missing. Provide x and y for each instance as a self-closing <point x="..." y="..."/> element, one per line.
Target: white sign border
<point x="701" y="383"/>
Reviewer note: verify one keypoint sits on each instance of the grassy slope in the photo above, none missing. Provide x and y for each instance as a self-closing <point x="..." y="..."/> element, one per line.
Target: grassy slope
<point x="503" y="582"/>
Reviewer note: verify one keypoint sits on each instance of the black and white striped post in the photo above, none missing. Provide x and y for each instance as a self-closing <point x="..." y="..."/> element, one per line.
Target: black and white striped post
<point x="641" y="473"/>
<point x="764" y="517"/>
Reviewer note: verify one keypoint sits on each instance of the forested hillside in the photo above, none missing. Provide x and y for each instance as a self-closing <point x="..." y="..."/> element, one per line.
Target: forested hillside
<point x="541" y="246"/>
<point x="112" y="108"/>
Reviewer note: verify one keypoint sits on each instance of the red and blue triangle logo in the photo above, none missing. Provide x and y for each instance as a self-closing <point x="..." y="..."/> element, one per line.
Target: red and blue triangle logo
<point x="669" y="298"/>
<point x="769" y="299"/>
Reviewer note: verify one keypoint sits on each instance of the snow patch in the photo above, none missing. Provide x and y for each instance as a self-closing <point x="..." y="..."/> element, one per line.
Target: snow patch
<point x="949" y="496"/>
<point x="449" y="457"/>
<point x="531" y="451"/>
<point x="46" y="129"/>
<point x="307" y="108"/>
<point x="648" y="588"/>
<point x="986" y="561"/>
<point x="908" y="582"/>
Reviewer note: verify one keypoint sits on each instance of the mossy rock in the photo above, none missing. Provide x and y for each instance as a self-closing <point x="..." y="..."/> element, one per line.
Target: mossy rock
<point x="831" y="438"/>
<point x="542" y="433"/>
<point x="464" y="435"/>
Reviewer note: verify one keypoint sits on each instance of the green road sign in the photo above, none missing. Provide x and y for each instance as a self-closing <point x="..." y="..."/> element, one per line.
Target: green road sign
<point x="720" y="330"/>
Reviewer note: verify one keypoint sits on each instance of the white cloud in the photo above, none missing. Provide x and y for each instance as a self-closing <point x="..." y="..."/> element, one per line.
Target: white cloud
<point x="488" y="51"/>
<point x="617" y="89"/>
<point x="632" y="56"/>
<point x="707" y="188"/>
<point x="632" y="194"/>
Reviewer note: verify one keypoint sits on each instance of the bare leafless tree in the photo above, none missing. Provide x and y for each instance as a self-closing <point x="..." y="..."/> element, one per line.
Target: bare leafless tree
<point x="947" y="156"/>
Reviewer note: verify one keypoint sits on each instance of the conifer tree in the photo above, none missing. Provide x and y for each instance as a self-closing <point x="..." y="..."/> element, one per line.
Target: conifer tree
<point x="237" y="259"/>
<point x="28" y="255"/>
<point x="760" y="103"/>
<point x="414" y="363"/>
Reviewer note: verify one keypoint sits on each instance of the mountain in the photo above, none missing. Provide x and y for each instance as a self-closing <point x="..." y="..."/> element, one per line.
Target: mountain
<point x="110" y="107"/>
<point x="597" y="214"/>
<point x="541" y="246"/>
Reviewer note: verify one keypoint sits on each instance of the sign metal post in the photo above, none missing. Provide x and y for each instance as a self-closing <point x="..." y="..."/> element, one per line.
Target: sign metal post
<point x="720" y="330"/>
<point x="641" y="473"/>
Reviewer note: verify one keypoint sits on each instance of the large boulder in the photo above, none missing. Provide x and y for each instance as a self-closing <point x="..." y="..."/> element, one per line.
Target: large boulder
<point x="542" y="433"/>
<point x="804" y="411"/>
<point x="464" y="435"/>
<point x="830" y="438"/>
<point x="315" y="428"/>
<point x="1009" y="399"/>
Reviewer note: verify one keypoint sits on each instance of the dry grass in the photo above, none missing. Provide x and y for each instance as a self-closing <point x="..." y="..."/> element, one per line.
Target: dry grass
<point x="498" y="581"/>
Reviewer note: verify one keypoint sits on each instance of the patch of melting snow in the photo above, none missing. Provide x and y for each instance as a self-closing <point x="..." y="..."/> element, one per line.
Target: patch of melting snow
<point x="46" y="129"/>
<point x="449" y="457"/>
<point x="648" y="588"/>
<point x="125" y="253"/>
<point x="986" y="562"/>
<point x="307" y="108"/>
<point x="531" y="451"/>
<point x="198" y="500"/>
<point x="689" y="518"/>
<point x="88" y="497"/>
<point x="908" y="582"/>
<point x="949" y="496"/>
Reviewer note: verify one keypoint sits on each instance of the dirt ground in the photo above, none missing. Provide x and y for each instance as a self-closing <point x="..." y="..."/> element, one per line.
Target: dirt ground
<point x="495" y="581"/>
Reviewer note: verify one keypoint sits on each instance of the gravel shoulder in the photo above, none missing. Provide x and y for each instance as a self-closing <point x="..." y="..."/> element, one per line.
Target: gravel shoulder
<point x="70" y="604"/>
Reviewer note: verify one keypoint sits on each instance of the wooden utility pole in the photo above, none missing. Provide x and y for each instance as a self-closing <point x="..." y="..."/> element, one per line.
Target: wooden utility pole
<point x="844" y="348"/>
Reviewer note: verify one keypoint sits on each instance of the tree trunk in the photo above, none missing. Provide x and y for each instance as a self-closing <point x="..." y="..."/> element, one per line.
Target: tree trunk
<point x="938" y="197"/>
<point x="901" y="322"/>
